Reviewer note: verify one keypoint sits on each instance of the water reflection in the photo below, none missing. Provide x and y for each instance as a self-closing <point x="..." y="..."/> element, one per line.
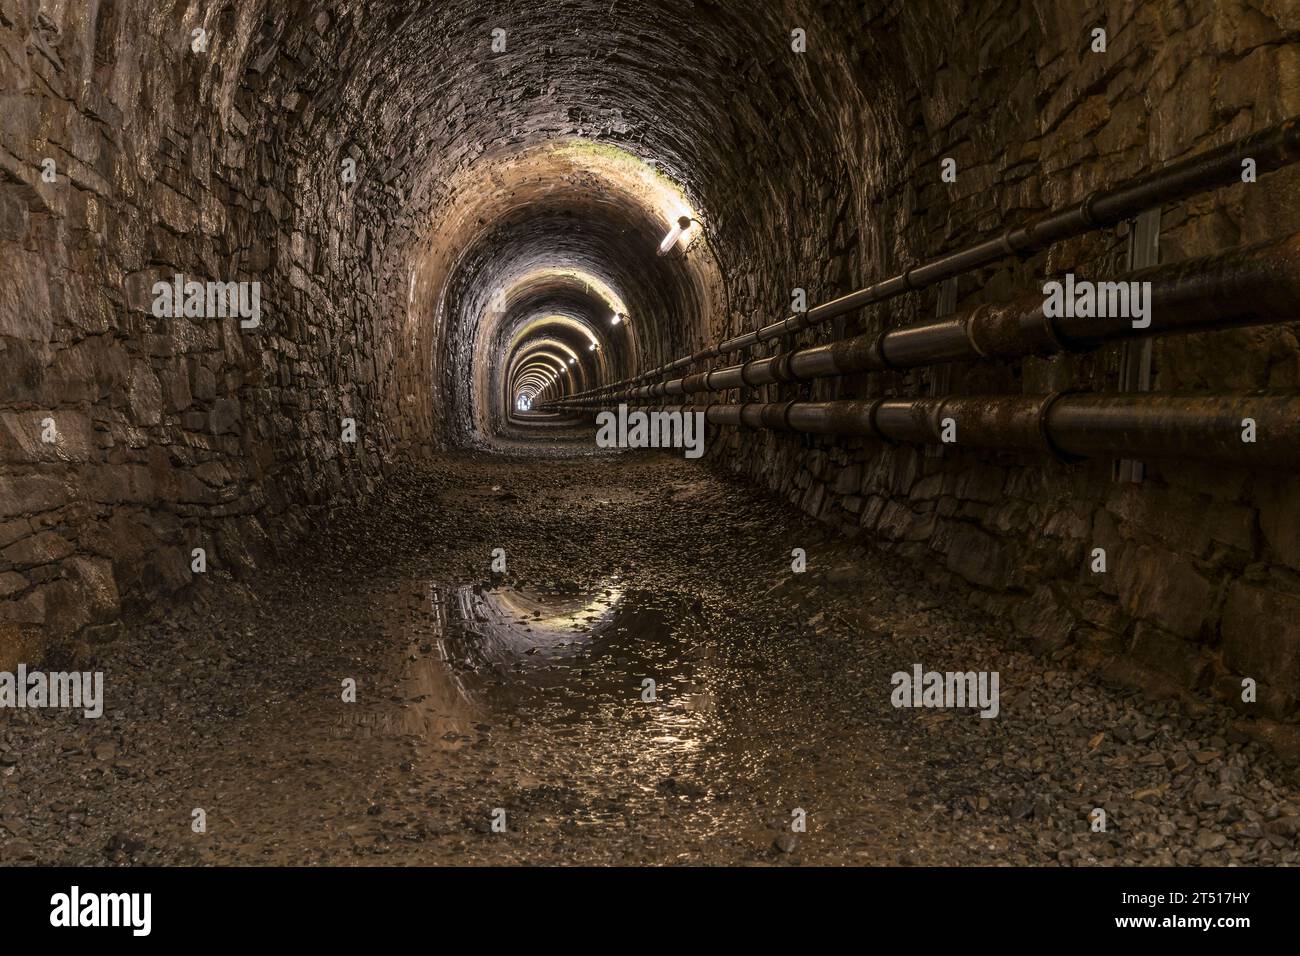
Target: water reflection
<point x="502" y="629"/>
<point x="558" y="656"/>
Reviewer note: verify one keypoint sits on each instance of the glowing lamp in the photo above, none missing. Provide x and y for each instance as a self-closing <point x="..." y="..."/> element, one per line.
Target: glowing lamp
<point x="683" y="223"/>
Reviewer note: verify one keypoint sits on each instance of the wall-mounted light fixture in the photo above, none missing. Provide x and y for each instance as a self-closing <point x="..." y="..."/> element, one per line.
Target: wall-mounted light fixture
<point x="676" y="232"/>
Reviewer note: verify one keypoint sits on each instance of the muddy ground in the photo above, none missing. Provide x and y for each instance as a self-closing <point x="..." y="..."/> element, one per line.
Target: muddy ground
<point x="523" y="692"/>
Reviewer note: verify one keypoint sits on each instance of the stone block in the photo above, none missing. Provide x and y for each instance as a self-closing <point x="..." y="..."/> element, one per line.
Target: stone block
<point x="144" y="394"/>
<point x="23" y="436"/>
<point x="1279" y="516"/>
<point x="1045" y="619"/>
<point x="96" y="587"/>
<point x="1261" y="635"/>
<point x="43" y="548"/>
<point x="1168" y="654"/>
<point x="1165" y="589"/>
<point x="30" y="494"/>
<point x="11" y="582"/>
<point x="978" y="557"/>
<point x="20" y="643"/>
<point x="26" y="311"/>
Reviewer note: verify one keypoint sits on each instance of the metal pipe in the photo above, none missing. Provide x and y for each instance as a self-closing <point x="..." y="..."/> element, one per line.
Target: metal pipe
<point x="1257" y="285"/>
<point x="1205" y="427"/>
<point x="1270" y="148"/>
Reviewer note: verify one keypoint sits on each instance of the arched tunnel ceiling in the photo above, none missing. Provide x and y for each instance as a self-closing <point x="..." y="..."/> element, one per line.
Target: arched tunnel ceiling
<point x="570" y="150"/>
<point x="505" y="204"/>
<point x="564" y="359"/>
<point x="572" y="236"/>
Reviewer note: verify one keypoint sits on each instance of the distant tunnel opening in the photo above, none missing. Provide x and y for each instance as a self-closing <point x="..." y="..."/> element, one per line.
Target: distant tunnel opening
<point x="456" y="214"/>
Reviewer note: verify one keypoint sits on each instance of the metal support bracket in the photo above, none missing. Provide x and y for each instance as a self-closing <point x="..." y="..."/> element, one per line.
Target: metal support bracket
<point x="1135" y="356"/>
<point x="939" y="377"/>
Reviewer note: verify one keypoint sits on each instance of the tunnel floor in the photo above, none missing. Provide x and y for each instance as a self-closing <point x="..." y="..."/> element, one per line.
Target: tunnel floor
<point x="522" y="692"/>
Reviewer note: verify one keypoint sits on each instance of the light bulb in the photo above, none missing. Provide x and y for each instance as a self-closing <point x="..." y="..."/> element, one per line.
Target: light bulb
<point x="683" y="223"/>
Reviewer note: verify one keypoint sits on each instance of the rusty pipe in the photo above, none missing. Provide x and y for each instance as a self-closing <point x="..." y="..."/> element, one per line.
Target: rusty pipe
<point x="1194" y="427"/>
<point x="1257" y="285"/>
<point x="1270" y="148"/>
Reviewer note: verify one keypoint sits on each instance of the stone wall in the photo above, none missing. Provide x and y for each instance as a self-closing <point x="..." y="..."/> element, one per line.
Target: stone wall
<point x="222" y="160"/>
<point x="1203" y="583"/>
<point x="817" y="169"/>
<point x="172" y="433"/>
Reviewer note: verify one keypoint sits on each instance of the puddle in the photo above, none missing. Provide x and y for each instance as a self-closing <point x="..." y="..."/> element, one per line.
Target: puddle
<point x="518" y="647"/>
<point x="557" y="657"/>
<point x="502" y="629"/>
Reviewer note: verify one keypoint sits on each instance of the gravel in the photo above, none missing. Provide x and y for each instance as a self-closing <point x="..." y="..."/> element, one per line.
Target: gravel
<point x="772" y="694"/>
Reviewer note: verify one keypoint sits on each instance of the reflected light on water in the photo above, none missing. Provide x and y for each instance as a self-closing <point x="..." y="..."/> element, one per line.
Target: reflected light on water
<point x="574" y="661"/>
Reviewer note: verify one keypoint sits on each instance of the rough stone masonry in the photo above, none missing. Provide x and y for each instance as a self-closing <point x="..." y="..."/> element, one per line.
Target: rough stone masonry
<point x="219" y="160"/>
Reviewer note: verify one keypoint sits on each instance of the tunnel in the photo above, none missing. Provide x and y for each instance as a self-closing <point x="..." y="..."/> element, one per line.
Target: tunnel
<point x="615" y="433"/>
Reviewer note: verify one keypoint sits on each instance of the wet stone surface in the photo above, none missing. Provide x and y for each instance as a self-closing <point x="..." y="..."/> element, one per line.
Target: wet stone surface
<point x="524" y="691"/>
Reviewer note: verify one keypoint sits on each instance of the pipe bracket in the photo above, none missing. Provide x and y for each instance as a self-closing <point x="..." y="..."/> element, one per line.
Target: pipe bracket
<point x="876" y="430"/>
<point x="877" y="353"/>
<point x="1085" y="209"/>
<point x="1049" y="329"/>
<point x="907" y="277"/>
<point x="1043" y="432"/>
<point x="970" y="323"/>
<point x="777" y="415"/>
<point x="1008" y="246"/>
<point x="783" y="368"/>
